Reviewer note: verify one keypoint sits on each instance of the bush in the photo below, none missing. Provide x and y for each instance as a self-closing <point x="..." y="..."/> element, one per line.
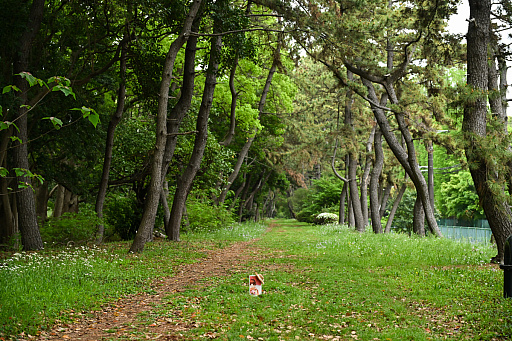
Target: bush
<point x="124" y="215"/>
<point x="206" y="217"/>
<point x="323" y="196"/>
<point x="326" y="218"/>
<point x="75" y="227"/>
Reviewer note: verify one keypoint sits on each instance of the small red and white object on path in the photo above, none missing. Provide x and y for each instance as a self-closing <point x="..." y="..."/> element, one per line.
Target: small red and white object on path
<point x="255" y="284"/>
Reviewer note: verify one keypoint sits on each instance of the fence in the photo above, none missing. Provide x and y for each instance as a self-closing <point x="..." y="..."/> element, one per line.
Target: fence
<point x="467" y="233"/>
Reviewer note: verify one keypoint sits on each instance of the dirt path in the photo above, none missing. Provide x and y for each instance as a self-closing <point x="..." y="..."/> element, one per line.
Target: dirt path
<point x="121" y="320"/>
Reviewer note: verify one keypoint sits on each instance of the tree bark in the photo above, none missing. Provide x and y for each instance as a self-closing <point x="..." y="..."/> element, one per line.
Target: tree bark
<point x="343" y="199"/>
<point x="383" y="201"/>
<point x="418" y="222"/>
<point x="366" y="174"/>
<point x="391" y="215"/>
<point x="155" y="186"/>
<point x="474" y="126"/>
<point x="378" y="164"/>
<point x="109" y="143"/>
<point x="185" y="183"/>
<point x="234" y="96"/>
<point x="26" y="206"/>
<point x="42" y="196"/>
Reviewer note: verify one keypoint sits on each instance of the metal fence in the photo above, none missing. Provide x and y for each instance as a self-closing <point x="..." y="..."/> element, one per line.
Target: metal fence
<point x="465" y="233"/>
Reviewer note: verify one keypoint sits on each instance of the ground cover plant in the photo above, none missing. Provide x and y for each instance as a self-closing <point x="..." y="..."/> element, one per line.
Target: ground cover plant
<point x="321" y="283"/>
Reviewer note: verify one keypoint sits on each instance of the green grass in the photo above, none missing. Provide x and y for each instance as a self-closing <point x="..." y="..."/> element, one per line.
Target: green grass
<point x="334" y="284"/>
<point x="36" y="287"/>
<point x="321" y="282"/>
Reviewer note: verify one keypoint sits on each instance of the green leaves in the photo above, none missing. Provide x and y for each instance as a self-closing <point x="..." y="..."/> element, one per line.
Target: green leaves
<point x="31" y="79"/>
<point x="57" y="123"/>
<point x="9" y="88"/>
<point x="89" y="113"/>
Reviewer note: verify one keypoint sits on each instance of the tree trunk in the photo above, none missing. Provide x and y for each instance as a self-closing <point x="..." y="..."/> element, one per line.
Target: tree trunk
<point x="474" y="126"/>
<point x="234" y="96"/>
<point x="109" y="144"/>
<point x="185" y="183"/>
<point x="418" y="222"/>
<point x="26" y="206"/>
<point x="155" y="186"/>
<point x="42" y="196"/>
<point x="183" y="105"/>
<point x="58" y="207"/>
<point x="378" y="164"/>
<point x="165" y="205"/>
<point x="391" y="215"/>
<point x="366" y="174"/>
<point x="343" y="199"/>
<point x="406" y="158"/>
<point x="430" y="177"/>
<point x="383" y="201"/>
<point x="354" y="193"/>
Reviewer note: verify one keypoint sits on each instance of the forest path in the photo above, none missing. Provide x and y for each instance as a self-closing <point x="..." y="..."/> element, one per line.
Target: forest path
<point x="121" y="320"/>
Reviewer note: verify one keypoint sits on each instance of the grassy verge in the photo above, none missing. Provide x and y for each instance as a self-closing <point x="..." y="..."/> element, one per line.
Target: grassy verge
<point x="37" y="288"/>
<point x="329" y="283"/>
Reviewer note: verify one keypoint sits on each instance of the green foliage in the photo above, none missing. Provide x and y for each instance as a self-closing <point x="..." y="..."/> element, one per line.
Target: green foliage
<point x="323" y="196"/>
<point x="459" y="198"/>
<point x="124" y="215"/>
<point x="404" y="215"/>
<point x="70" y="227"/>
<point x="203" y="216"/>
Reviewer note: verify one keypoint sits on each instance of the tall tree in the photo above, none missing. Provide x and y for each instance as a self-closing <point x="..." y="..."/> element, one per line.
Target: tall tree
<point x="477" y="128"/>
<point x="155" y="187"/>
<point x="27" y="218"/>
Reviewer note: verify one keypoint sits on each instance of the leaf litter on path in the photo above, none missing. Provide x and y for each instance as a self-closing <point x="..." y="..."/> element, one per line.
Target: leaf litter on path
<point x="122" y="319"/>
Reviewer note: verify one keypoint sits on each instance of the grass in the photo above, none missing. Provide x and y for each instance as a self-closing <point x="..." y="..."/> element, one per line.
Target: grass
<point x="321" y="283"/>
<point x="331" y="283"/>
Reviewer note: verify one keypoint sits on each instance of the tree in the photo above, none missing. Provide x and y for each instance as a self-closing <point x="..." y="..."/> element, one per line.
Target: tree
<point x="479" y="133"/>
<point x="151" y="204"/>
<point x="30" y="236"/>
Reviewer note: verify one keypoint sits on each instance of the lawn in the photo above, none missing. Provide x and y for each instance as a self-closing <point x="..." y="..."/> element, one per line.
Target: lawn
<point x="321" y="283"/>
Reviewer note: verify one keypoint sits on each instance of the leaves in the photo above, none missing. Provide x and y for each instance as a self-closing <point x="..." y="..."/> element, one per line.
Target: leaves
<point x="57" y="123"/>
<point x="10" y="88"/>
<point x="89" y="113"/>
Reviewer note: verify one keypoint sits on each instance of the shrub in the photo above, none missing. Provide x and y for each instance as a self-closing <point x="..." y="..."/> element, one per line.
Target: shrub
<point x="205" y="217"/>
<point x="124" y="215"/>
<point x="75" y="227"/>
<point x="326" y="218"/>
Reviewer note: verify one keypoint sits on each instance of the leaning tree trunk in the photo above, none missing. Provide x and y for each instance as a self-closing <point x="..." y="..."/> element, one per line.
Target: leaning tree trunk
<point x="383" y="200"/>
<point x="391" y="215"/>
<point x="474" y="127"/>
<point x="186" y="179"/>
<point x="155" y="186"/>
<point x="27" y="217"/>
<point x="407" y="158"/>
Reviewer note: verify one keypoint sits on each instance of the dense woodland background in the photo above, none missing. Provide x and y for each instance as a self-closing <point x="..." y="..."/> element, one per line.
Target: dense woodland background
<point x="122" y="118"/>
